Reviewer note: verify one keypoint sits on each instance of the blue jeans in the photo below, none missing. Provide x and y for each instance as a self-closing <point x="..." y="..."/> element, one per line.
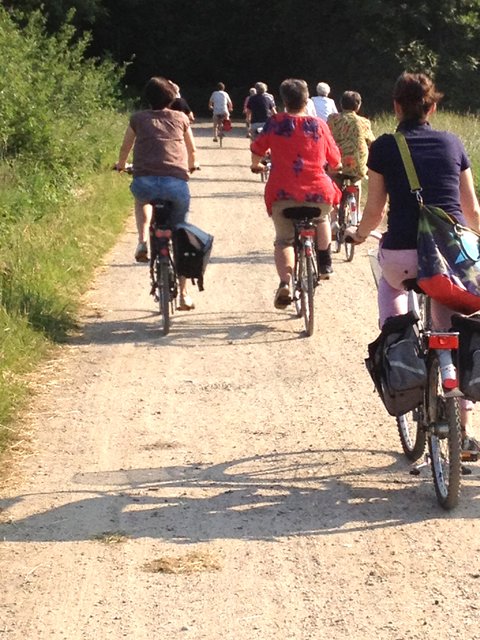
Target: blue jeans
<point x="148" y="188"/>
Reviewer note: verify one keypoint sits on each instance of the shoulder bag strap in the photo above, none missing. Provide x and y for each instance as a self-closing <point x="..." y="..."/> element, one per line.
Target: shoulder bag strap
<point x="408" y="164"/>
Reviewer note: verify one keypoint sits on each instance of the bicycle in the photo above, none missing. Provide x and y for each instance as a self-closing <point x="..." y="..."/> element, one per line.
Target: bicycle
<point x="223" y="124"/>
<point x="305" y="272"/>
<point x="436" y="420"/>
<point x="163" y="274"/>
<point x="348" y="215"/>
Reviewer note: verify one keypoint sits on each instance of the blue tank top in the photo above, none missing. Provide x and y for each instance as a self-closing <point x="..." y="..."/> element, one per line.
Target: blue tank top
<point x="439" y="158"/>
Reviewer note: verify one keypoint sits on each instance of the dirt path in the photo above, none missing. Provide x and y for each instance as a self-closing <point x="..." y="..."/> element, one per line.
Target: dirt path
<point x="255" y="463"/>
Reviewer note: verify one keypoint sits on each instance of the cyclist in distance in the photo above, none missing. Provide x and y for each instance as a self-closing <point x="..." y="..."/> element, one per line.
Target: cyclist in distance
<point x="324" y="105"/>
<point x="221" y="105"/>
<point x="353" y="135"/>
<point x="300" y="147"/>
<point x="444" y="173"/>
<point x="180" y="104"/>
<point x="259" y="108"/>
<point x="163" y="157"/>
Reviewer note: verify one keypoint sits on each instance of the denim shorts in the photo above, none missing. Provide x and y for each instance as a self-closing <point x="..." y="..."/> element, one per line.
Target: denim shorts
<point x="148" y="188"/>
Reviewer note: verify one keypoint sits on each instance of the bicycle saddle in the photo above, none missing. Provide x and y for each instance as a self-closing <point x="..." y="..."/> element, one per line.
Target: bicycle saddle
<point x="300" y="213"/>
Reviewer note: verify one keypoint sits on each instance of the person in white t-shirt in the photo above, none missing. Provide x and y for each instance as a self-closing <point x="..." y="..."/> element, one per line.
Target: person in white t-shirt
<point x="324" y="105"/>
<point x="221" y="105"/>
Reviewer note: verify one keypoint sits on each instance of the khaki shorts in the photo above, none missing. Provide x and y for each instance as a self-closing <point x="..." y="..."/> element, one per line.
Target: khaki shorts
<point x="285" y="228"/>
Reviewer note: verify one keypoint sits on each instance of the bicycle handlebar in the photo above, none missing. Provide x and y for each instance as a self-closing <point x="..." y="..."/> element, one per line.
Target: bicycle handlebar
<point x="349" y="234"/>
<point x="129" y="169"/>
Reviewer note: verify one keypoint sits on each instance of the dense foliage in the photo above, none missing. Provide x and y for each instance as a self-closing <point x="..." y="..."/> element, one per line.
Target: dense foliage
<point x="350" y="44"/>
<point x="58" y="213"/>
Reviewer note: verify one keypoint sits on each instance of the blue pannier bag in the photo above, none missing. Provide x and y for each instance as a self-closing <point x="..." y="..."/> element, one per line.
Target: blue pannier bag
<point x="191" y="249"/>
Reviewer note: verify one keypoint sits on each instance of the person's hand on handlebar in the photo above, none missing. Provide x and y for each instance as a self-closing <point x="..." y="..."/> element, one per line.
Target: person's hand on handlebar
<point x="257" y="168"/>
<point x="352" y="235"/>
<point x="123" y="166"/>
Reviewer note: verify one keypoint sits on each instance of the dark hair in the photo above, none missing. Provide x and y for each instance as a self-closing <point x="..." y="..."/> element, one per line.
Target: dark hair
<point x="220" y="86"/>
<point x="416" y="94"/>
<point x="351" y="100"/>
<point x="159" y="92"/>
<point x="294" y="94"/>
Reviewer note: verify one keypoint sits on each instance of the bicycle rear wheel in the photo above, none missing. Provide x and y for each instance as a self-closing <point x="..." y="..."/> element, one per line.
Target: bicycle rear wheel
<point x="444" y="440"/>
<point x="164" y="295"/>
<point x="350" y="217"/>
<point x="307" y="271"/>
<point x="412" y="435"/>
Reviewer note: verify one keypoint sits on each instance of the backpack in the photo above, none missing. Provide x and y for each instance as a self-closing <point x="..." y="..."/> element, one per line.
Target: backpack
<point x="191" y="250"/>
<point x="396" y="364"/>
<point x="468" y="354"/>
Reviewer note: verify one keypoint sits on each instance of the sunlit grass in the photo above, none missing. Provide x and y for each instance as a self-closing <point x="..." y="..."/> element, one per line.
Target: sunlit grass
<point x="45" y="266"/>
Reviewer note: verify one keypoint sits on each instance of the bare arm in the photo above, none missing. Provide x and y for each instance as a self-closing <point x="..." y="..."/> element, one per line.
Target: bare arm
<point x="191" y="149"/>
<point x="374" y="207"/>
<point x="125" y="149"/>
<point x="469" y="201"/>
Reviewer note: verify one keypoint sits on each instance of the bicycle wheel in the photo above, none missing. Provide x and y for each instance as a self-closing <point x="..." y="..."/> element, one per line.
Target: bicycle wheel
<point x="350" y="217"/>
<point x="339" y="228"/>
<point x="412" y="435"/>
<point x="444" y="440"/>
<point x="297" y="285"/>
<point x="307" y="271"/>
<point x="163" y="283"/>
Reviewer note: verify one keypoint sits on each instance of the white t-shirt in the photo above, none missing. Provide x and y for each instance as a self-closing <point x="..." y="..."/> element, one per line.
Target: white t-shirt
<point x="220" y="101"/>
<point x="310" y="108"/>
<point x="324" y="106"/>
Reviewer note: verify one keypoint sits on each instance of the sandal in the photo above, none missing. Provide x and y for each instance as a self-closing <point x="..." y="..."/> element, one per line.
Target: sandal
<point x="282" y="296"/>
<point x="185" y="303"/>
<point x="470" y="448"/>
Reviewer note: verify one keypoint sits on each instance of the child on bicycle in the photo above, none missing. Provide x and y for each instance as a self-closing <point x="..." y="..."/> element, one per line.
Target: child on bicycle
<point x="300" y="147"/>
<point x="163" y="156"/>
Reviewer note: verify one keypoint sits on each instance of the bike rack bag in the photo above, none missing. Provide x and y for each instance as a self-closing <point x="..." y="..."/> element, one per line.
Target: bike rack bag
<point x="191" y="249"/>
<point x="468" y="354"/>
<point x="396" y="364"/>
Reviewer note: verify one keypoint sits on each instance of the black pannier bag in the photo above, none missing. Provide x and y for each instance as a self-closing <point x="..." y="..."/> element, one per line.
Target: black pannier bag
<point x="191" y="249"/>
<point x="396" y="364"/>
<point x="468" y="328"/>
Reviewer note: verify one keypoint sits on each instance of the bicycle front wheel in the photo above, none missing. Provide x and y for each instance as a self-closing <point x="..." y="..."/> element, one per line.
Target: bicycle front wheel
<point x="297" y="285"/>
<point x="307" y="271"/>
<point x="412" y="435"/>
<point x="444" y="440"/>
<point x="163" y="283"/>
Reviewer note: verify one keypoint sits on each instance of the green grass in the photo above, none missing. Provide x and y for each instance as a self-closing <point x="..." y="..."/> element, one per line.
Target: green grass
<point x="465" y="126"/>
<point x="45" y="266"/>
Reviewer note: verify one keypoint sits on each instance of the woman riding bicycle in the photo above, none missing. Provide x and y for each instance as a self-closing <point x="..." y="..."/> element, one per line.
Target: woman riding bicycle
<point x="163" y="157"/>
<point x="300" y="148"/>
<point x="444" y="172"/>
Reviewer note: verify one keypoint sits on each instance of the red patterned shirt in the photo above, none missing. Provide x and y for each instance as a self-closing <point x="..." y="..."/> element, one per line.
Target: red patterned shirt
<point x="300" y="148"/>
